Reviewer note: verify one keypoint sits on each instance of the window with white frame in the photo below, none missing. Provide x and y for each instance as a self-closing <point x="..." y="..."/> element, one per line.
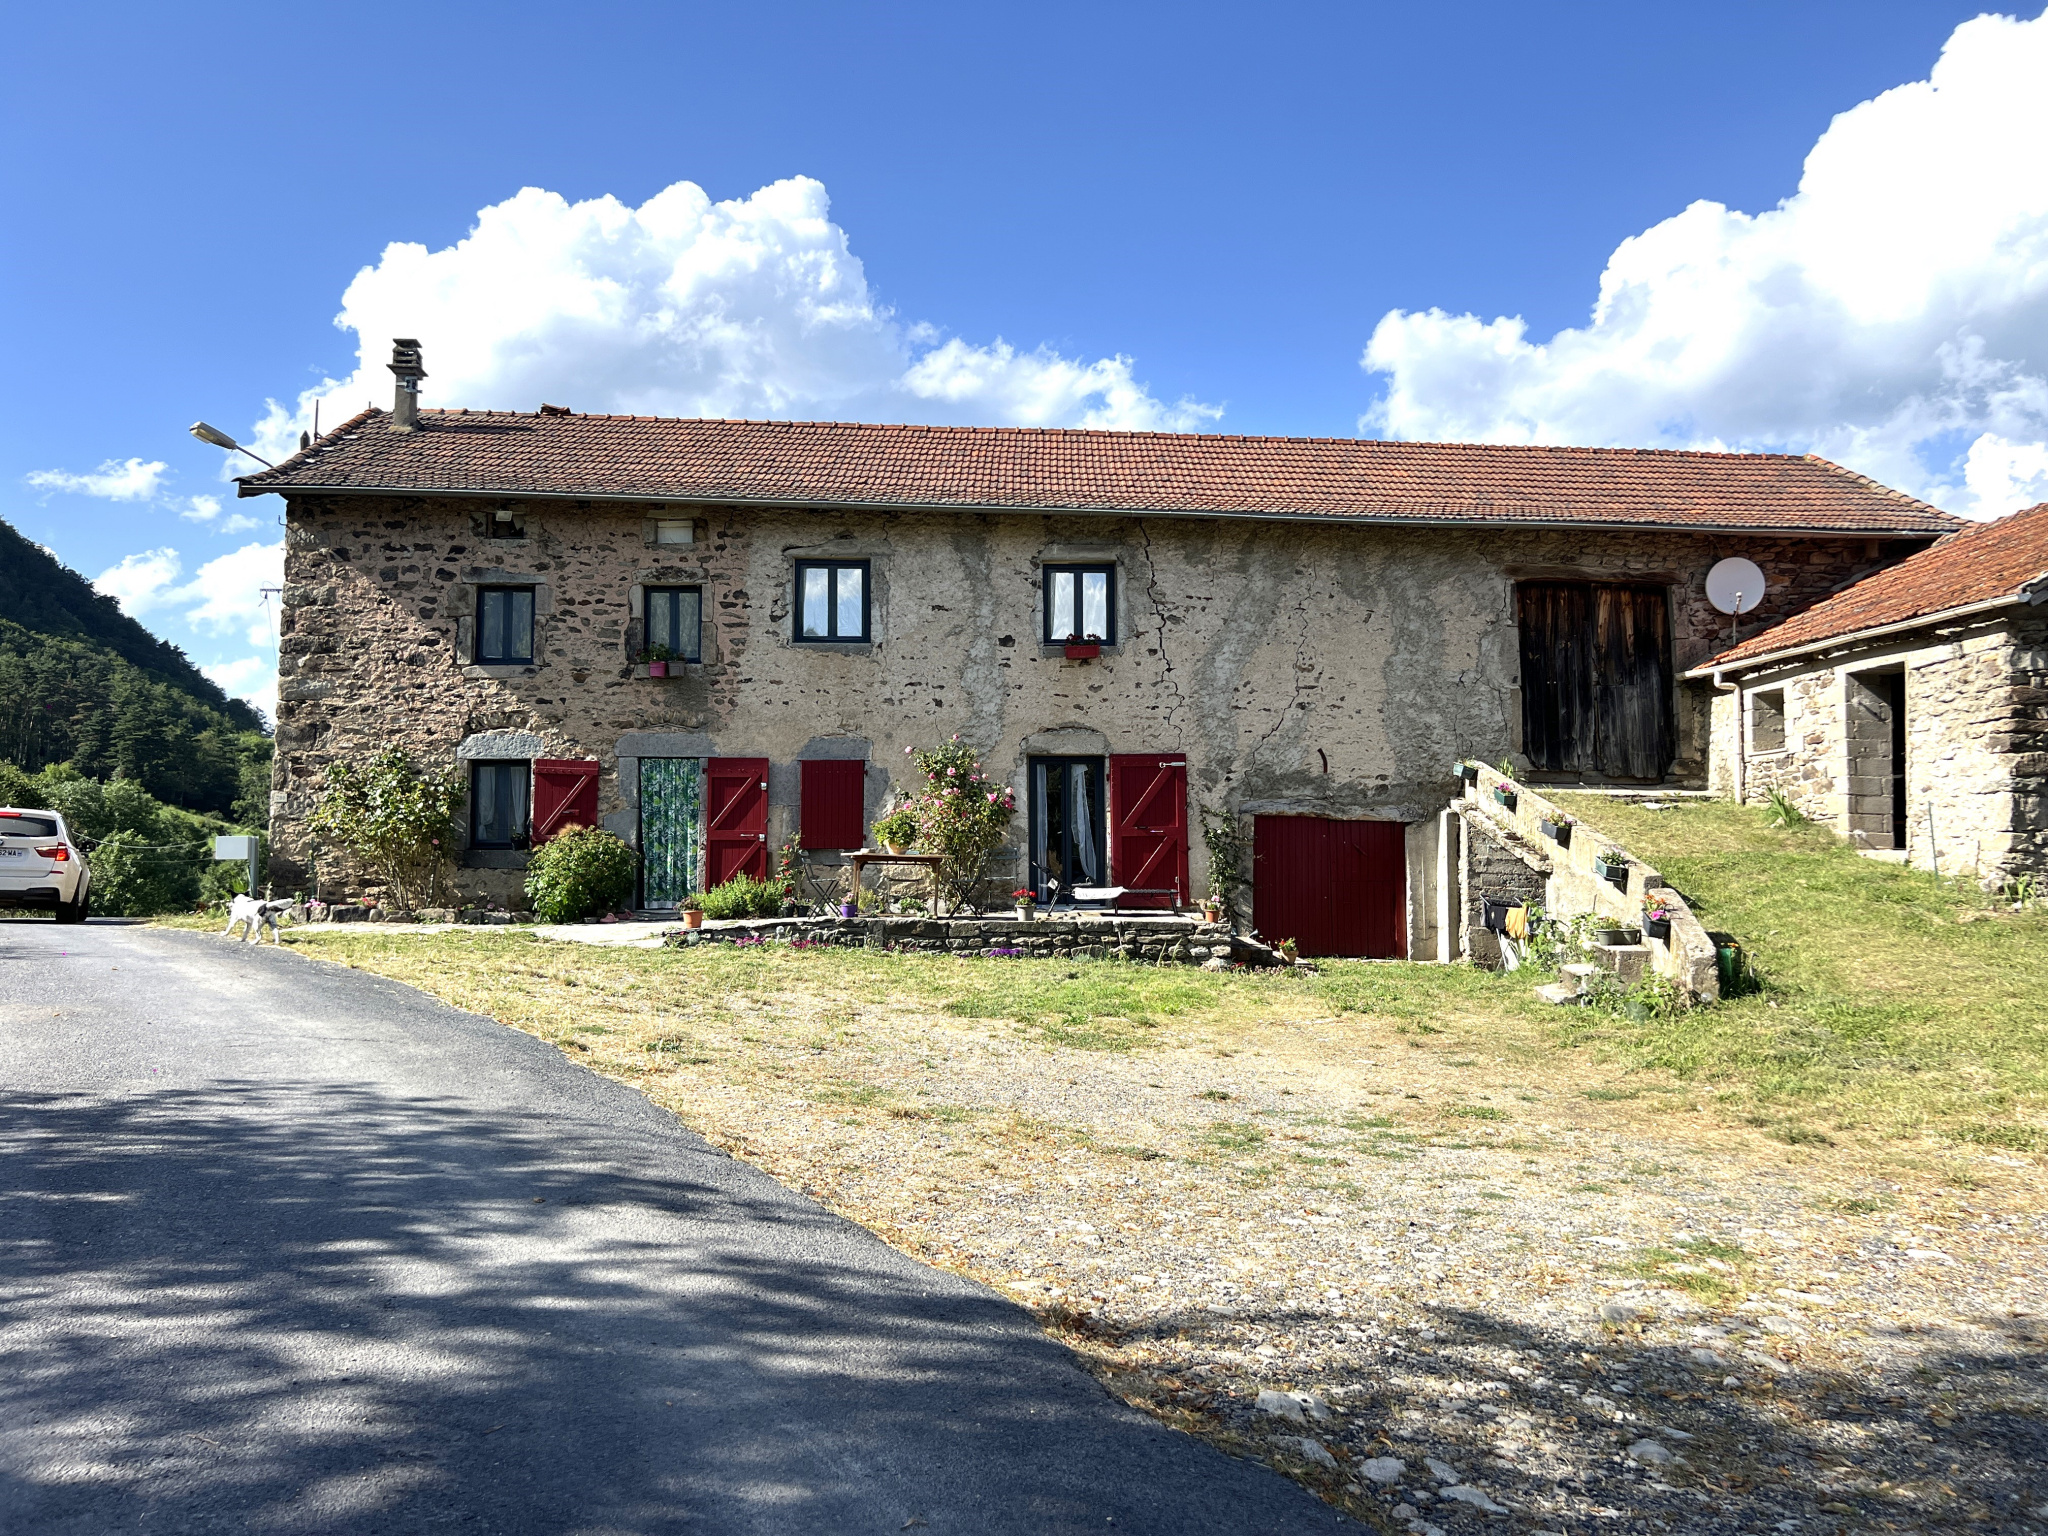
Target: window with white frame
<point x="1080" y="604"/>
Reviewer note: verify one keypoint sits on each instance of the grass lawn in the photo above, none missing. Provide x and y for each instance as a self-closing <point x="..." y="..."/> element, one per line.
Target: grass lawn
<point x="1892" y="1003"/>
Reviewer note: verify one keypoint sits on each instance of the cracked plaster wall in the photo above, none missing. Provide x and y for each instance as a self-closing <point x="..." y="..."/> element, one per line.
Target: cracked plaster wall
<point x="1300" y="667"/>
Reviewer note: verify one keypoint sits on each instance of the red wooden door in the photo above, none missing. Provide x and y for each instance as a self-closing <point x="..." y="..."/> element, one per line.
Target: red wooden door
<point x="735" y="819"/>
<point x="1148" y="827"/>
<point x="564" y="795"/>
<point x="1337" y="888"/>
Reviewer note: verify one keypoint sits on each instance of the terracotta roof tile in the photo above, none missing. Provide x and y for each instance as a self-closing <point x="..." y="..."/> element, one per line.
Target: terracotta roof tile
<point x="1982" y="563"/>
<point x="1012" y="468"/>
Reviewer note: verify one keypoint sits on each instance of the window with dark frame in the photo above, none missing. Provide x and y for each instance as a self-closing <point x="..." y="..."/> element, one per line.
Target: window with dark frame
<point x="831" y="600"/>
<point x="499" y="802"/>
<point x="1080" y="604"/>
<point x="1767" y="720"/>
<point x="504" y="626"/>
<point x="675" y="622"/>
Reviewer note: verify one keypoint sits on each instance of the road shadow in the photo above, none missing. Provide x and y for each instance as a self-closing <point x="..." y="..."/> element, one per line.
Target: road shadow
<point x="310" y="1306"/>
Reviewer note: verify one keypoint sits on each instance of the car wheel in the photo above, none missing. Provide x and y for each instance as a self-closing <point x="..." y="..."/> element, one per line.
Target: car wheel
<point x="74" y="911"/>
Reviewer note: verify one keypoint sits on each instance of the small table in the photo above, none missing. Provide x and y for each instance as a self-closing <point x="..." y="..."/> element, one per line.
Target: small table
<point x="860" y="858"/>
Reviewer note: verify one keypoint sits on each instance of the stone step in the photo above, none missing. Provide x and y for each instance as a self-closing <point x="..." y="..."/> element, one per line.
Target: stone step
<point x="1629" y="962"/>
<point x="1558" y="992"/>
<point x="1581" y="970"/>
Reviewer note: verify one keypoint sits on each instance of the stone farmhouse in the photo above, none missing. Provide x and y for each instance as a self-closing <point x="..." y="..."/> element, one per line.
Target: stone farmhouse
<point x="1909" y="712"/>
<point x="1139" y="630"/>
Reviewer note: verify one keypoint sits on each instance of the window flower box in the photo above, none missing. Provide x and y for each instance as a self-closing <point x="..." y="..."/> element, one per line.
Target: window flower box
<point x="1466" y="772"/>
<point x="657" y="669"/>
<point x="1082" y="650"/>
<point x="1559" y="830"/>
<point x="1507" y="795"/>
<point x="1657" y="913"/>
<point x="1613" y="870"/>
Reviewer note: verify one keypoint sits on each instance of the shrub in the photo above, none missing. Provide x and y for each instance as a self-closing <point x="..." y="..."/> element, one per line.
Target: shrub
<point x="397" y="820"/>
<point x="133" y="876"/>
<point x="579" y="873"/>
<point x="963" y="816"/>
<point x="898" y="828"/>
<point x="18" y="789"/>
<point x="744" y="896"/>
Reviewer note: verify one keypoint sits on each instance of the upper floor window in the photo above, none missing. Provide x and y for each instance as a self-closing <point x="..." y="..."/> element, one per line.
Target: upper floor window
<point x="675" y="530"/>
<point x="1080" y="603"/>
<point x="831" y="600"/>
<point x="504" y="626"/>
<point x="498" y="803"/>
<point x="675" y="622"/>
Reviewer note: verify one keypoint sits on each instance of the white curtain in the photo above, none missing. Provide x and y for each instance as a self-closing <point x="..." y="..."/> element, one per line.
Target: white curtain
<point x="1081" y="821"/>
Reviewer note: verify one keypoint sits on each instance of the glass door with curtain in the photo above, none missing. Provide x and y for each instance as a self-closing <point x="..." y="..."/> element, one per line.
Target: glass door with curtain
<point x="671" y="817"/>
<point x="1069" y="829"/>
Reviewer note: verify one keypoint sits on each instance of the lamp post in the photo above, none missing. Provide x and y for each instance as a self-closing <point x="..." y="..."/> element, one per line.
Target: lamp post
<point x="220" y="439"/>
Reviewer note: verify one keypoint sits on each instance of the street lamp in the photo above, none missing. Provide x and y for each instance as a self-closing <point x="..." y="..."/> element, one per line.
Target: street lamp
<point x="220" y="439"/>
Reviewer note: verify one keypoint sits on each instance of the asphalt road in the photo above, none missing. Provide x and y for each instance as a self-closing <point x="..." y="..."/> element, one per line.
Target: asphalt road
<point x="289" y="1248"/>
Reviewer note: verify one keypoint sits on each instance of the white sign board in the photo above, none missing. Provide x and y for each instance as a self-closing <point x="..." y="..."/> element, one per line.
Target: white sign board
<point x="234" y="848"/>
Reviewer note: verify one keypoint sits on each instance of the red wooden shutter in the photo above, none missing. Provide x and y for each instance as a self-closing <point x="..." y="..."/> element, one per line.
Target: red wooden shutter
<point x="735" y="818"/>
<point x="564" y="795"/>
<point x="832" y="814"/>
<point x="1148" y="827"/>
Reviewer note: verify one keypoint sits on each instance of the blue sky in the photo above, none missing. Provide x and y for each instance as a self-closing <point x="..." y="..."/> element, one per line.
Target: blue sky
<point x="1239" y="201"/>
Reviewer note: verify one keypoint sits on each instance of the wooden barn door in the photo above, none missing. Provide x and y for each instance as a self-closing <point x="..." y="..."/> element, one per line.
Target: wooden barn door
<point x="1148" y="827"/>
<point x="735" y="819"/>
<point x="1596" y="678"/>
<point x="1337" y="888"/>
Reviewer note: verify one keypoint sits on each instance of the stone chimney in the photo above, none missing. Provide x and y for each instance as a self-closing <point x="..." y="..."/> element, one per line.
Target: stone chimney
<point x="405" y="362"/>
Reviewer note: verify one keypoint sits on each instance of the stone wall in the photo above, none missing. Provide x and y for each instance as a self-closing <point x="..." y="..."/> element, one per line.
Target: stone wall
<point x="1300" y="668"/>
<point x="1496" y="863"/>
<point x="1159" y="941"/>
<point x="1976" y="700"/>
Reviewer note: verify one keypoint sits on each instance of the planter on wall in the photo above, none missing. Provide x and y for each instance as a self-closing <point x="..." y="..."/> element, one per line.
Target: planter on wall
<point x="1613" y="871"/>
<point x="1658" y="928"/>
<point x="1080" y="651"/>
<point x="1468" y="772"/>
<point x="1559" y="833"/>
<point x="657" y="669"/>
<point x="1506" y="797"/>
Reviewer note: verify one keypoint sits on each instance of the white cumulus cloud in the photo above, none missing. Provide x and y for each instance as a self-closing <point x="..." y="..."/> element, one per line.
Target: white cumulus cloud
<point x="250" y="678"/>
<point x="207" y="510"/>
<point x="140" y="582"/>
<point x="686" y="307"/>
<point x="1892" y="314"/>
<point x="115" y="480"/>
<point x="224" y="596"/>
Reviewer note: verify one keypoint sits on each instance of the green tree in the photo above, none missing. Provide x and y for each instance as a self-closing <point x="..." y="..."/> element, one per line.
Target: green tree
<point x="396" y="819"/>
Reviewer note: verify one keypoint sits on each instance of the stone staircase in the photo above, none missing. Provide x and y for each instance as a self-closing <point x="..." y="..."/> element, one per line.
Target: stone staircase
<point x="1630" y="963"/>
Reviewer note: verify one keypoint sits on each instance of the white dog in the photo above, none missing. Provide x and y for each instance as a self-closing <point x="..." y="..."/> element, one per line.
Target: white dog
<point x="254" y="916"/>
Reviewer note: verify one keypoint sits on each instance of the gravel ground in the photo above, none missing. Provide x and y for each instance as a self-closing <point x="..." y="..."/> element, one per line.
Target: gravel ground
<point x="1448" y="1298"/>
<point x="1452" y="1283"/>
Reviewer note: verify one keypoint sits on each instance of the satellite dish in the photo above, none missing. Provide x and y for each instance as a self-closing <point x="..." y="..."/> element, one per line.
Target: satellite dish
<point x="1735" y="585"/>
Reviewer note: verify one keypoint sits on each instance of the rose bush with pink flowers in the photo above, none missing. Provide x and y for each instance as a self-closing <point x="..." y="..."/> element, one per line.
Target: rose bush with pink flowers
<point x="963" y="816"/>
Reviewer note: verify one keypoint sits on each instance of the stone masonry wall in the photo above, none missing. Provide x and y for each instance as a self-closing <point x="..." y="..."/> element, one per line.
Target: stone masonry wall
<point x="1976" y="748"/>
<point x="1301" y="668"/>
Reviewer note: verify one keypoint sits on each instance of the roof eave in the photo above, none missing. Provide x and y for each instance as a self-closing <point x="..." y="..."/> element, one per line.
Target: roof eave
<point x="1375" y="519"/>
<point x="1713" y="669"/>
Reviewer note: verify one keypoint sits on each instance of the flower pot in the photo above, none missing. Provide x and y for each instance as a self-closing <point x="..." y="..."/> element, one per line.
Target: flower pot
<point x="657" y="669"/>
<point x="1506" y="797"/>
<point x="1026" y="913"/>
<point x="1080" y="651"/>
<point x="897" y="848"/>
<point x="1614" y="935"/>
<point x="1212" y="915"/>
<point x="1559" y="833"/>
<point x="1613" y="871"/>
<point x="693" y="919"/>
<point x="848" y="909"/>
<point x="1658" y="928"/>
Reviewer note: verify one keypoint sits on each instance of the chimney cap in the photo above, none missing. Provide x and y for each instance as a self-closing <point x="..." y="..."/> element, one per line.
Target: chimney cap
<point x="406" y="361"/>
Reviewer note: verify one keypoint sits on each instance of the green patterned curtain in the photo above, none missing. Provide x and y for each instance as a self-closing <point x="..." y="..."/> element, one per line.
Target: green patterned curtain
<point x="671" y="809"/>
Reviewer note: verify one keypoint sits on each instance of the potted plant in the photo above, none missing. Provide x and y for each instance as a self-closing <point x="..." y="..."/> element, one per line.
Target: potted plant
<point x="1612" y="868"/>
<point x="1288" y="952"/>
<point x="1507" y="795"/>
<point x="1027" y="903"/>
<point x="1212" y="909"/>
<point x="657" y="658"/>
<point x="693" y="912"/>
<point x="850" y="907"/>
<point x="1657" y="910"/>
<point x="1082" y="650"/>
<point x="897" y="831"/>
<point x="1557" y="826"/>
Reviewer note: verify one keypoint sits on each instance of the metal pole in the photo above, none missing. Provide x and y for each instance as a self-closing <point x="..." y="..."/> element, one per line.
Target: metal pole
<point x="1933" y="847"/>
<point x="254" y="845"/>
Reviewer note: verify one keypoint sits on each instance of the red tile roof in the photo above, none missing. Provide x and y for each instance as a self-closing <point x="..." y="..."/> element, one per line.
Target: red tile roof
<point x="831" y="463"/>
<point x="1983" y="563"/>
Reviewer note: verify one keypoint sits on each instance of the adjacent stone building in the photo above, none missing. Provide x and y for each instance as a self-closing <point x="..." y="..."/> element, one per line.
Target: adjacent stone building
<point x="1136" y="630"/>
<point x="1909" y="712"/>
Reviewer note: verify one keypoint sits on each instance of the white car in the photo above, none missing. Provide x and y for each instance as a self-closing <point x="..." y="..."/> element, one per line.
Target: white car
<point x="40" y="867"/>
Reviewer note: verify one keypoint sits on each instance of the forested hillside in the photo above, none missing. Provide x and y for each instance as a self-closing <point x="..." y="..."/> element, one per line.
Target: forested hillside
<point x="84" y="684"/>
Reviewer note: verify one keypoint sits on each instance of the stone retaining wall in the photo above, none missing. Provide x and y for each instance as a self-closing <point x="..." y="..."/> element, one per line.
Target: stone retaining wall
<point x="1165" y="941"/>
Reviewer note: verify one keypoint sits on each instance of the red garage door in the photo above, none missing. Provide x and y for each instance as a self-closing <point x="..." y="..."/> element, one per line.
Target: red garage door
<point x="1336" y="888"/>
